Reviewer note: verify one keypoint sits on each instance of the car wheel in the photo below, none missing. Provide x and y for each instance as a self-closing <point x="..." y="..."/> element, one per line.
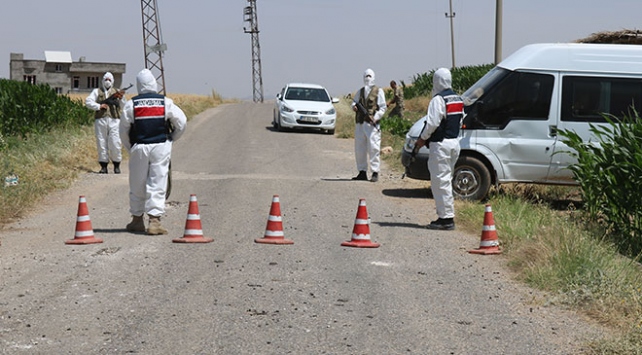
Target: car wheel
<point x="330" y="131"/>
<point x="278" y="124"/>
<point x="471" y="179"/>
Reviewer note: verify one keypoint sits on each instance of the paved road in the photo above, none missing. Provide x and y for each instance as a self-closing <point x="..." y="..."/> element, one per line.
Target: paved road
<point x="419" y="293"/>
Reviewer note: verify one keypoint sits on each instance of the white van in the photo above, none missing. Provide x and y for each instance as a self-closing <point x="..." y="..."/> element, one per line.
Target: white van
<point x="513" y="114"/>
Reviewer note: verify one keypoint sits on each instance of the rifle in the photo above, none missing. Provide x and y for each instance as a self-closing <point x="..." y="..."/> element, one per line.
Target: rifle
<point x="365" y="113"/>
<point x="113" y="99"/>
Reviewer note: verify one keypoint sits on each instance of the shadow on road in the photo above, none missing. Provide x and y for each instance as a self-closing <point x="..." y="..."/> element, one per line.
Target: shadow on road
<point x="408" y="193"/>
<point x="397" y="224"/>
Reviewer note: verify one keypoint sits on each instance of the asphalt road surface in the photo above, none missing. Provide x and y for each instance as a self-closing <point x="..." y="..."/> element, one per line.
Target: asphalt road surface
<point x="420" y="292"/>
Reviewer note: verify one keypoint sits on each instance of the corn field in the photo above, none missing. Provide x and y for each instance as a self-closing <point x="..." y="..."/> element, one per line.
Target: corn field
<point x="27" y="109"/>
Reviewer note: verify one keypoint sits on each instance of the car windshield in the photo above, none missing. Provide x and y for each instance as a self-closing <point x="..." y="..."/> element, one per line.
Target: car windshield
<point x="482" y="85"/>
<point x="307" y="94"/>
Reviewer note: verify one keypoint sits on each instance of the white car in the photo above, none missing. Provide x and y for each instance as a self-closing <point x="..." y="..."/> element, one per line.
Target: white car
<point x="300" y="105"/>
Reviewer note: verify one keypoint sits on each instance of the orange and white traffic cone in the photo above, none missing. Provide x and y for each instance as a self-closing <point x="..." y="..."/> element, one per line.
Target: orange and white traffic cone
<point x="274" y="229"/>
<point x="361" y="230"/>
<point x="84" y="232"/>
<point x="193" y="229"/>
<point x="489" y="242"/>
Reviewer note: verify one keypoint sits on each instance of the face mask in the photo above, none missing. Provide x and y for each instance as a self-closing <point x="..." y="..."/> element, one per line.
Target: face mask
<point x="107" y="84"/>
<point x="368" y="81"/>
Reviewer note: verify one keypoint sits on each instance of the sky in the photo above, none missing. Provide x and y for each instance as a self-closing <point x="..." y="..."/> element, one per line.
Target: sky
<point x="328" y="42"/>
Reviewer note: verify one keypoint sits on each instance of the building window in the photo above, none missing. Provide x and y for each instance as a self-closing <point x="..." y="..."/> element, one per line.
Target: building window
<point x="92" y="82"/>
<point x="58" y="68"/>
<point x="31" y="79"/>
<point x="58" y="90"/>
<point x="75" y="82"/>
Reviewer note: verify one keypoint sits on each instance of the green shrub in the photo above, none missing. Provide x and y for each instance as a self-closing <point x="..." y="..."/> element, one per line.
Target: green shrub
<point x="609" y="175"/>
<point x="27" y="109"/>
<point x="463" y="78"/>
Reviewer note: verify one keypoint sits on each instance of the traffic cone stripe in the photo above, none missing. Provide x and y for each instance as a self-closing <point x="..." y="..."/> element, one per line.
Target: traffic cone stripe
<point x="83" y="219"/>
<point x="361" y="236"/>
<point x="194" y="217"/>
<point x="193" y="232"/>
<point x="269" y="233"/>
<point x="84" y="234"/>
<point x="488" y="228"/>
<point x="489" y="243"/>
<point x="275" y="218"/>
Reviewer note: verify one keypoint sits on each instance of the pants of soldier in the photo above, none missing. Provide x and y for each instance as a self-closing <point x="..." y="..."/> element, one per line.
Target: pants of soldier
<point x="148" y="170"/>
<point x="367" y="144"/>
<point x="396" y="111"/>
<point x="108" y="139"/>
<point x="441" y="164"/>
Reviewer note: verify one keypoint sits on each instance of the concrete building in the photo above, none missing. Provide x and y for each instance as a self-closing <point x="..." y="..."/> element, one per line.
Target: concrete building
<point x="62" y="74"/>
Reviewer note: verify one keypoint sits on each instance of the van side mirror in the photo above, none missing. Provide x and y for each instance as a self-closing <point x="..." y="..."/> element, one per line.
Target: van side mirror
<point x="278" y="96"/>
<point x="335" y="100"/>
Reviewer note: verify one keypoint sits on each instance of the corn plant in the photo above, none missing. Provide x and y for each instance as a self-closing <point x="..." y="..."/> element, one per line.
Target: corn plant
<point x="27" y="109"/>
<point x="609" y="174"/>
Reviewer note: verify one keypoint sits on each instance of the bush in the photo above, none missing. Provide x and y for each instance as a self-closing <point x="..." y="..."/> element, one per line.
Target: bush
<point x="27" y="109"/>
<point x="609" y="174"/>
<point x="463" y="78"/>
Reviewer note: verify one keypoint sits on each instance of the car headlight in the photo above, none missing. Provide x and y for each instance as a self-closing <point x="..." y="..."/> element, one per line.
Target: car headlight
<point x="409" y="145"/>
<point x="331" y="111"/>
<point x="284" y="108"/>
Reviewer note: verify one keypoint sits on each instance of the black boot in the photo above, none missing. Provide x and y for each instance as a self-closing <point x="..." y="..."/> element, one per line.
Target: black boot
<point x="362" y="176"/>
<point x="103" y="167"/>
<point x="116" y="167"/>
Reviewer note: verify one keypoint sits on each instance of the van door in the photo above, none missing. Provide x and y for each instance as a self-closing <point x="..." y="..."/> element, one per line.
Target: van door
<point x="512" y="122"/>
<point x="585" y="100"/>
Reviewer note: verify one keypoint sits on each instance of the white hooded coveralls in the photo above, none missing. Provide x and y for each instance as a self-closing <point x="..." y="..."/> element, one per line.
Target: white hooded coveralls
<point x="108" y="141"/>
<point x="442" y="155"/>
<point x="367" y="138"/>
<point x="149" y="163"/>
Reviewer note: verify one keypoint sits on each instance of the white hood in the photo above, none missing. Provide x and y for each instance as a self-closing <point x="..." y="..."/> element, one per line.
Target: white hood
<point x="146" y="82"/>
<point x="441" y="80"/>
<point x="108" y="80"/>
<point x="368" y="81"/>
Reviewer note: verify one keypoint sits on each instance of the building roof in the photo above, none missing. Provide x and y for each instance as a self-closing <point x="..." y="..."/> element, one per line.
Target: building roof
<point x="57" y="57"/>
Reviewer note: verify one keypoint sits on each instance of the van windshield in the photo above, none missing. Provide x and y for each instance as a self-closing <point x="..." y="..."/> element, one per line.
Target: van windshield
<point x="482" y="85"/>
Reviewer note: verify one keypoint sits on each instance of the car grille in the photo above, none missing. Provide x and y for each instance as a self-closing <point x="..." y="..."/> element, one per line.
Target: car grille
<point x="309" y="113"/>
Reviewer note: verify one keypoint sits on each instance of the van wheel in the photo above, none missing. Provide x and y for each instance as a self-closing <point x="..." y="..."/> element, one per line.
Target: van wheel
<point x="471" y="179"/>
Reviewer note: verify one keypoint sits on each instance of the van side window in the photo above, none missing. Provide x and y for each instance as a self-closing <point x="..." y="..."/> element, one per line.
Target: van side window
<point x="523" y="96"/>
<point x="586" y="99"/>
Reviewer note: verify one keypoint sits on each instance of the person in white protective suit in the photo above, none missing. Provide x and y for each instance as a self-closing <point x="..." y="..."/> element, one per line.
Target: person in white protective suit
<point x="367" y="134"/>
<point x="443" y="122"/>
<point x="150" y="123"/>
<point x="106" y="121"/>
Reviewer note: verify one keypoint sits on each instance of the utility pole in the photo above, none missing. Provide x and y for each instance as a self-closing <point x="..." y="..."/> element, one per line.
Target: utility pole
<point x="153" y="43"/>
<point x="451" y="15"/>
<point x="498" y="30"/>
<point x="249" y="15"/>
